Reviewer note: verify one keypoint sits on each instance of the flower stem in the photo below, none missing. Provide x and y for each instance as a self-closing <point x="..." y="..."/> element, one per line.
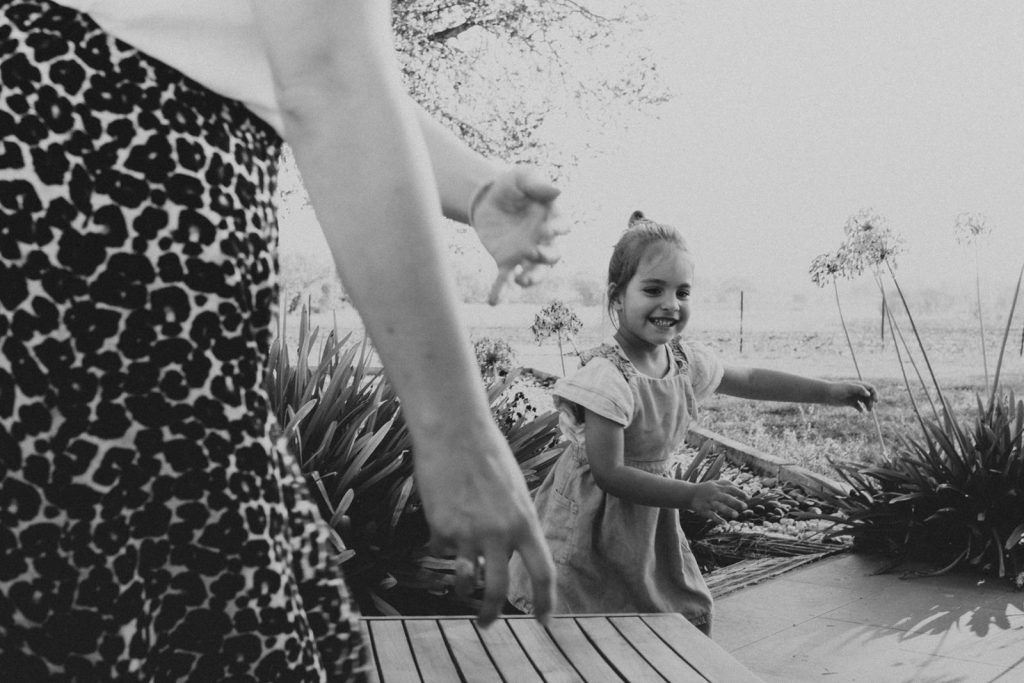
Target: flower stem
<point x="853" y="355"/>
<point x="981" y="321"/>
<point x="835" y="288"/>
<point x="1006" y="336"/>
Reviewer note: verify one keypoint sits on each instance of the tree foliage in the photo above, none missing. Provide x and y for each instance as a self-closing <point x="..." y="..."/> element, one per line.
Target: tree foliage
<point x="495" y="71"/>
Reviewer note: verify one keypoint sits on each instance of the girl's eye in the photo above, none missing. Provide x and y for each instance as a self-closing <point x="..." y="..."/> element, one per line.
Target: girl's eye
<point x="652" y="291"/>
<point x="683" y="294"/>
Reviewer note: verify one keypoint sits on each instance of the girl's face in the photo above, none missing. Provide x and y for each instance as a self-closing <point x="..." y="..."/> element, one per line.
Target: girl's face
<point x="655" y="305"/>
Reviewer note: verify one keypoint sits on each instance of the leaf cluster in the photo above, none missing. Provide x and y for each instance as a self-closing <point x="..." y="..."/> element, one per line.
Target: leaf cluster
<point x="495" y="71"/>
<point x="953" y="496"/>
<point x="340" y="417"/>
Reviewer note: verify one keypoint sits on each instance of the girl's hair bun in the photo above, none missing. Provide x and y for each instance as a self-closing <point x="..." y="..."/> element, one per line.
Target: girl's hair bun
<point x="635" y="218"/>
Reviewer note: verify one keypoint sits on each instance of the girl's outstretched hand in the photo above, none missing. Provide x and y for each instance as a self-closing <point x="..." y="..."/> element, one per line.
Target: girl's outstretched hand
<point x="517" y="222"/>
<point x="719" y="500"/>
<point x="859" y="395"/>
<point x="478" y="508"/>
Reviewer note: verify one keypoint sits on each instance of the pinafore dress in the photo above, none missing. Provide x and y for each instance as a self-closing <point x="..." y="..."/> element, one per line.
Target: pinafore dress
<point x="611" y="555"/>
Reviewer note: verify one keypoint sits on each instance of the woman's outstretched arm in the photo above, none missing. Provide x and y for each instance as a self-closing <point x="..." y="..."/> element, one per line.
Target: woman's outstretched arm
<point x="363" y="159"/>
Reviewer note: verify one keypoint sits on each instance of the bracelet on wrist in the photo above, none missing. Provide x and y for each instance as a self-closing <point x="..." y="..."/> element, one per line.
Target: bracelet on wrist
<point x="475" y="198"/>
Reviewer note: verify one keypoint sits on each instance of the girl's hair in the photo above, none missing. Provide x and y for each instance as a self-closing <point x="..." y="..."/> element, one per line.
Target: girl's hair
<point x="641" y="233"/>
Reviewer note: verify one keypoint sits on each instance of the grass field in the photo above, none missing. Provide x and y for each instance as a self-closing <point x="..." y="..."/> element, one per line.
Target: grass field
<point x="805" y="341"/>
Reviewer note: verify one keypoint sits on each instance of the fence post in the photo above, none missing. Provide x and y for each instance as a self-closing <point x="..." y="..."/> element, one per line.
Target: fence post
<point x="741" y="321"/>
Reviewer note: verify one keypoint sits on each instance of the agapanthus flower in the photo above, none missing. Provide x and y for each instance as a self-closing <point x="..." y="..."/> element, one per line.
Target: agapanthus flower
<point x="869" y="242"/>
<point x="970" y="227"/>
<point x="825" y="268"/>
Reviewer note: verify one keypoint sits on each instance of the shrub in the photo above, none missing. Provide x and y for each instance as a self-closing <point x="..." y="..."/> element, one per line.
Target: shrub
<point x="341" y="418"/>
<point x="954" y="495"/>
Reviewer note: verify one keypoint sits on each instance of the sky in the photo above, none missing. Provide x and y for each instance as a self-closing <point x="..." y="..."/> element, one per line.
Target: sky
<point x="788" y="117"/>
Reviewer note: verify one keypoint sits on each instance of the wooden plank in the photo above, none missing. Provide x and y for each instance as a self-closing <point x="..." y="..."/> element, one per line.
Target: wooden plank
<point x="394" y="658"/>
<point x="673" y="667"/>
<point x="542" y="651"/>
<point x="431" y="651"/>
<point x="617" y="650"/>
<point x="701" y="652"/>
<point x="469" y="653"/>
<point x="587" y="660"/>
<point x="512" y="663"/>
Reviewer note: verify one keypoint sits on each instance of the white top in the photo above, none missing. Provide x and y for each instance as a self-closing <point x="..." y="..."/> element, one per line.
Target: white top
<point x="214" y="42"/>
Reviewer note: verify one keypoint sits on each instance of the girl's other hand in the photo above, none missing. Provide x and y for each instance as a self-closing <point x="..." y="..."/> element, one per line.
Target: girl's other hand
<point x="859" y="395"/>
<point x="718" y="500"/>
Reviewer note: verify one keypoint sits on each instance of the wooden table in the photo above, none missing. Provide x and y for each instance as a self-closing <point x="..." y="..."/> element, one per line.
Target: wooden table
<point x="632" y="648"/>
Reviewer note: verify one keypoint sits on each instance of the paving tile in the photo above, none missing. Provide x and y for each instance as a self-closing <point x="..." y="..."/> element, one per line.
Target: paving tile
<point x="753" y="613"/>
<point x="837" y="651"/>
<point x="852" y="571"/>
<point x="933" y="609"/>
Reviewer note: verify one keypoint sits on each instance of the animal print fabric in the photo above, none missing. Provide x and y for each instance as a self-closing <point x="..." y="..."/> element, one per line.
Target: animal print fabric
<point x="150" y="530"/>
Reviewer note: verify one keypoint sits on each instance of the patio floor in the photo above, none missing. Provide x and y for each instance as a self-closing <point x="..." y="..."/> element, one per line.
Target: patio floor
<point x="836" y="621"/>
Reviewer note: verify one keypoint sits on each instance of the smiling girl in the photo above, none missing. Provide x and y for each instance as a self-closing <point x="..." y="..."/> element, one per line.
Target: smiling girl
<point x="610" y="505"/>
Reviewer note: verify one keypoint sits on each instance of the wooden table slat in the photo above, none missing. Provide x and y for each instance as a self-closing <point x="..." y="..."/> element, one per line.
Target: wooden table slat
<point x="606" y="648"/>
<point x="394" y="657"/>
<point x="589" y="662"/>
<point x="511" y="661"/>
<point x="542" y="650"/>
<point x="626" y="660"/>
<point x="653" y="649"/>
<point x="431" y="651"/>
<point x="469" y="652"/>
<point x="702" y="653"/>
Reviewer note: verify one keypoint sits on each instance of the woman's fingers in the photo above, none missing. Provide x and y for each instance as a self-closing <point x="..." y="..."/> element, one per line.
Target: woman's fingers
<point x="541" y="568"/>
<point x="505" y="274"/>
<point x="495" y="577"/>
<point x="466" y="567"/>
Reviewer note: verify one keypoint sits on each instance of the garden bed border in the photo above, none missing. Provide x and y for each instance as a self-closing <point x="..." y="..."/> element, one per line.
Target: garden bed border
<point x="766" y="464"/>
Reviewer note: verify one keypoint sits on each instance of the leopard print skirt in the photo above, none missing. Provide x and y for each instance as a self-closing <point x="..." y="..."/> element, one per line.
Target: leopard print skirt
<point x="150" y="529"/>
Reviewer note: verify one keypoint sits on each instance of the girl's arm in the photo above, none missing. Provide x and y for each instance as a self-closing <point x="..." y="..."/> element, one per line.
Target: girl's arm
<point x="718" y="500"/>
<point x="362" y="157"/>
<point x="513" y="208"/>
<point x="772" y="385"/>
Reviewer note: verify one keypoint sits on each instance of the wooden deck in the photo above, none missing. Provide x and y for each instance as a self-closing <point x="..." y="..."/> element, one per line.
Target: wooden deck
<point x="634" y="648"/>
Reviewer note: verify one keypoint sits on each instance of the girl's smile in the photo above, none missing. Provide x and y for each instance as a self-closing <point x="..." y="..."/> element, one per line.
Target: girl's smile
<point x="655" y="306"/>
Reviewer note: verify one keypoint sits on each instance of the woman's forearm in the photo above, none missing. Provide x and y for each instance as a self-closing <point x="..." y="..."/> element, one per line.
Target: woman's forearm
<point x="458" y="169"/>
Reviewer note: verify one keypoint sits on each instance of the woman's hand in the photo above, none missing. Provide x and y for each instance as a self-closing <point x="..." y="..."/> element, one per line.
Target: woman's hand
<point x="859" y="395"/>
<point x="517" y="222"/>
<point x="718" y="500"/>
<point x="478" y="508"/>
